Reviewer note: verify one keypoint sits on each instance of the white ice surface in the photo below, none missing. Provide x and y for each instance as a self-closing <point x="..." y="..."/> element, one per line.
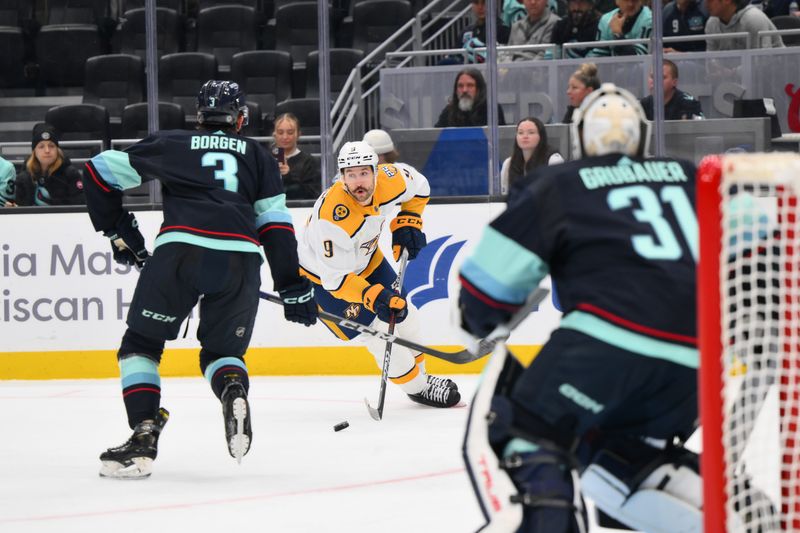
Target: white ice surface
<point x="403" y="474"/>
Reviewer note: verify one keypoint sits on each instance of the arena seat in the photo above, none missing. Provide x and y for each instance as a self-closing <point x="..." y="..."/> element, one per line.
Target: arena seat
<point x="175" y="5"/>
<point x="265" y="77"/>
<point x="59" y="68"/>
<point x="131" y="38"/>
<point x="12" y="44"/>
<point x="342" y="62"/>
<point x="77" y="11"/>
<point x="134" y="119"/>
<point x="80" y="122"/>
<point x="114" y="81"/>
<point x="226" y="30"/>
<point x="376" y="20"/>
<point x="180" y="77"/>
<point x="788" y="22"/>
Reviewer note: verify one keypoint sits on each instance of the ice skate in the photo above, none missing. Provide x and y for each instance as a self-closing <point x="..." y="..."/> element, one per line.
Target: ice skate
<point x="435" y="395"/>
<point x="236" y="411"/>
<point x="134" y="459"/>
<point x="441" y="382"/>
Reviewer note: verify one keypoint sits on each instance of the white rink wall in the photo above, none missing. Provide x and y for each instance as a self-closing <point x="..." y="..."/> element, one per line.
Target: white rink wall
<point x="61" y="290"/>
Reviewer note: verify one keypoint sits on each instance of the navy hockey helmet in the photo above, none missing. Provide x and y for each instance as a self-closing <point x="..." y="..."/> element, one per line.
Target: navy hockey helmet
<point x="221" y="102"/>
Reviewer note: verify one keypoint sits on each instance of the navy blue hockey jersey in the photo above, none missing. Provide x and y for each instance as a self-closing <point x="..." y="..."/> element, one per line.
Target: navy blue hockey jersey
<point x="219" y="191"/>
<point x="618" y="235"/>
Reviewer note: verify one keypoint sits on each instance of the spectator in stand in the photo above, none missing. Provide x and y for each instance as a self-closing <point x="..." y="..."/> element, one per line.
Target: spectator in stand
<point x="530" y="151"/>
<point x="513" y="10"/>
<point x="580" y="25"/>
<point x="300" y="171"/>
<point x="7" y="185"/>
<point x="536" y="28"/>
<point x="682" y="18"/>
<point x="776" y="8"/>
<point x="467" y="104"/>
<point x="475" y="35"/>
<point x="49" y="177"/>
<point x="678" y="105"/>
<point x="630" y="20"/>
<point x="730" y="16"/>
<point x="580" y="84"/>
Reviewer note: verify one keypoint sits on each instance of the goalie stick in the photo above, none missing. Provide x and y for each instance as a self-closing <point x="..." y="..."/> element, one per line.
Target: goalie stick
<point x="493" y="488"/>
<point x="485" y="346"/>
<point x="397" y="286"/>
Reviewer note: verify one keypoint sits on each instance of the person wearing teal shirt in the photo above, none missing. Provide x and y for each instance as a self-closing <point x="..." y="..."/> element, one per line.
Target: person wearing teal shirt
<point x="630" y="20"/>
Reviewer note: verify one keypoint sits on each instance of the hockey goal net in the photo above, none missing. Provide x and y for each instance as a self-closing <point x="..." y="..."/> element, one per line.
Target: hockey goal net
<point x="749" y="339"/>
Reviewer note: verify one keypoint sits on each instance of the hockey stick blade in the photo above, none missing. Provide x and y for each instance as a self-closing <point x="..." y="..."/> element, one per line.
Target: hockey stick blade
<point x="459" y="358"/>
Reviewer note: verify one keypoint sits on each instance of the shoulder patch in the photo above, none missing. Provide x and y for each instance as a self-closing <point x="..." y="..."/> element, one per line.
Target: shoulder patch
<point x="389" y="170"/>
<point x="340" y="212"/>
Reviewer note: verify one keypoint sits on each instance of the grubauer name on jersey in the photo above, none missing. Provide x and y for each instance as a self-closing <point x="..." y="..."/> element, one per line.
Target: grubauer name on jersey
<point x="618" y="235"/>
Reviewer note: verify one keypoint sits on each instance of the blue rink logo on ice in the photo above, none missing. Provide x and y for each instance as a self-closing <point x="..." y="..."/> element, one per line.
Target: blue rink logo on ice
<point x="427" y="275"/>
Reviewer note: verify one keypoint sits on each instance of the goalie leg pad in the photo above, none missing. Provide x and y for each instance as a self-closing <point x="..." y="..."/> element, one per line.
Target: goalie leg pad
<point x="659" y="495"/>
<point x="548" y="488"/>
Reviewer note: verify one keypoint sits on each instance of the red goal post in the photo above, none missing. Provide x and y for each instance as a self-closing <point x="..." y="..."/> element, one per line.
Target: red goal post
<point x="748" y="286"/>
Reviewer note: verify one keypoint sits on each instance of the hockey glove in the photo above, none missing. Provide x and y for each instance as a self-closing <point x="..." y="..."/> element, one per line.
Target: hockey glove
<point x="299" y="304"/>
<point x="127" y="242"/>
<point x="477" y="317"/>
<point x="407" y="234"/>
<point x="384" y="302"/>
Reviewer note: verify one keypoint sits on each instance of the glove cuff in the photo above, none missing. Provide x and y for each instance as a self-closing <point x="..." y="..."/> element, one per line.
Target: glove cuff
<point x="370" y="296"/>
<point x="406" y="218"/>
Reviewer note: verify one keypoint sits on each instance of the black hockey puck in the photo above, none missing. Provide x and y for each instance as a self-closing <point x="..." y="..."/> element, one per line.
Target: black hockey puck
<point x="341" y="425"/>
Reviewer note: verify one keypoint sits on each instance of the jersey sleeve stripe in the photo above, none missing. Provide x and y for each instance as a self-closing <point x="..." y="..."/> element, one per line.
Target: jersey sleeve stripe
<point x="275" y="203"/>
<point x="273" y="217"/>
<point x="265" y="229"/>
<point x="483" y="297"/>
<point x="115" y="168"/>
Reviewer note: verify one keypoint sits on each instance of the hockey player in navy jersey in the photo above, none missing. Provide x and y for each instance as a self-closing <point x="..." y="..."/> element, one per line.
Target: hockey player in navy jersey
<point x="223" y="201"/>
<point x="604" y="407"/>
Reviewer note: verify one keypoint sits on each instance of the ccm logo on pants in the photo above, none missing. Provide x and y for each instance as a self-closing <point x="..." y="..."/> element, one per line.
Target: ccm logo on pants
<point x="157" y="316"/>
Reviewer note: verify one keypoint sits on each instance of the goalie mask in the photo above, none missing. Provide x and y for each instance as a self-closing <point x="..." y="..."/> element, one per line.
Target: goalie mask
<point x="221" y="102"/>
<point x="610" y="120"/>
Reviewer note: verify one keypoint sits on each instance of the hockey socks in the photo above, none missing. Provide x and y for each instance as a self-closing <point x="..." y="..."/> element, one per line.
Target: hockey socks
<point x="141" y="387"/>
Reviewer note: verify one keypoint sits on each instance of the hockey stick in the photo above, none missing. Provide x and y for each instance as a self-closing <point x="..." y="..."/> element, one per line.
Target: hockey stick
<point x="492" y="486"/>
<point x="485" y="346"/>
<point x="397" y="286"/>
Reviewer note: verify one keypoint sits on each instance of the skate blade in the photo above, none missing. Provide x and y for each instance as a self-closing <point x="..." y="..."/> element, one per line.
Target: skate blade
<point x="141" y="468"/>
<point x="239" y="443"/>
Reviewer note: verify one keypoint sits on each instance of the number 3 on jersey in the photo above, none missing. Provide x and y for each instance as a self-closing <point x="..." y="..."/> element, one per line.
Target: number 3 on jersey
<point x="228" y="171"/>
<point x="663" y="244"/>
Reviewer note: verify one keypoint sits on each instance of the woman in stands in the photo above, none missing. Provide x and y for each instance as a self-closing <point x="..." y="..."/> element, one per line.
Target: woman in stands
<point x="49" y="178"/>
<point x="530" y="151"/>
<point x="582" y="82"/>
<point x="300" y="171"/>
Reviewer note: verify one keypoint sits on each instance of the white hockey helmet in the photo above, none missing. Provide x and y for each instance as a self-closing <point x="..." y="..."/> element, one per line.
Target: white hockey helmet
<point x="357" y="154"/>
<point x="610" y="120"/>
<point x="380" y="141"/>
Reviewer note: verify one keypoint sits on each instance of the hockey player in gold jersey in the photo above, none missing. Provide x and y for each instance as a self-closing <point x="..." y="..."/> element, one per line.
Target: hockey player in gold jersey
<point x="339" y="252"/>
